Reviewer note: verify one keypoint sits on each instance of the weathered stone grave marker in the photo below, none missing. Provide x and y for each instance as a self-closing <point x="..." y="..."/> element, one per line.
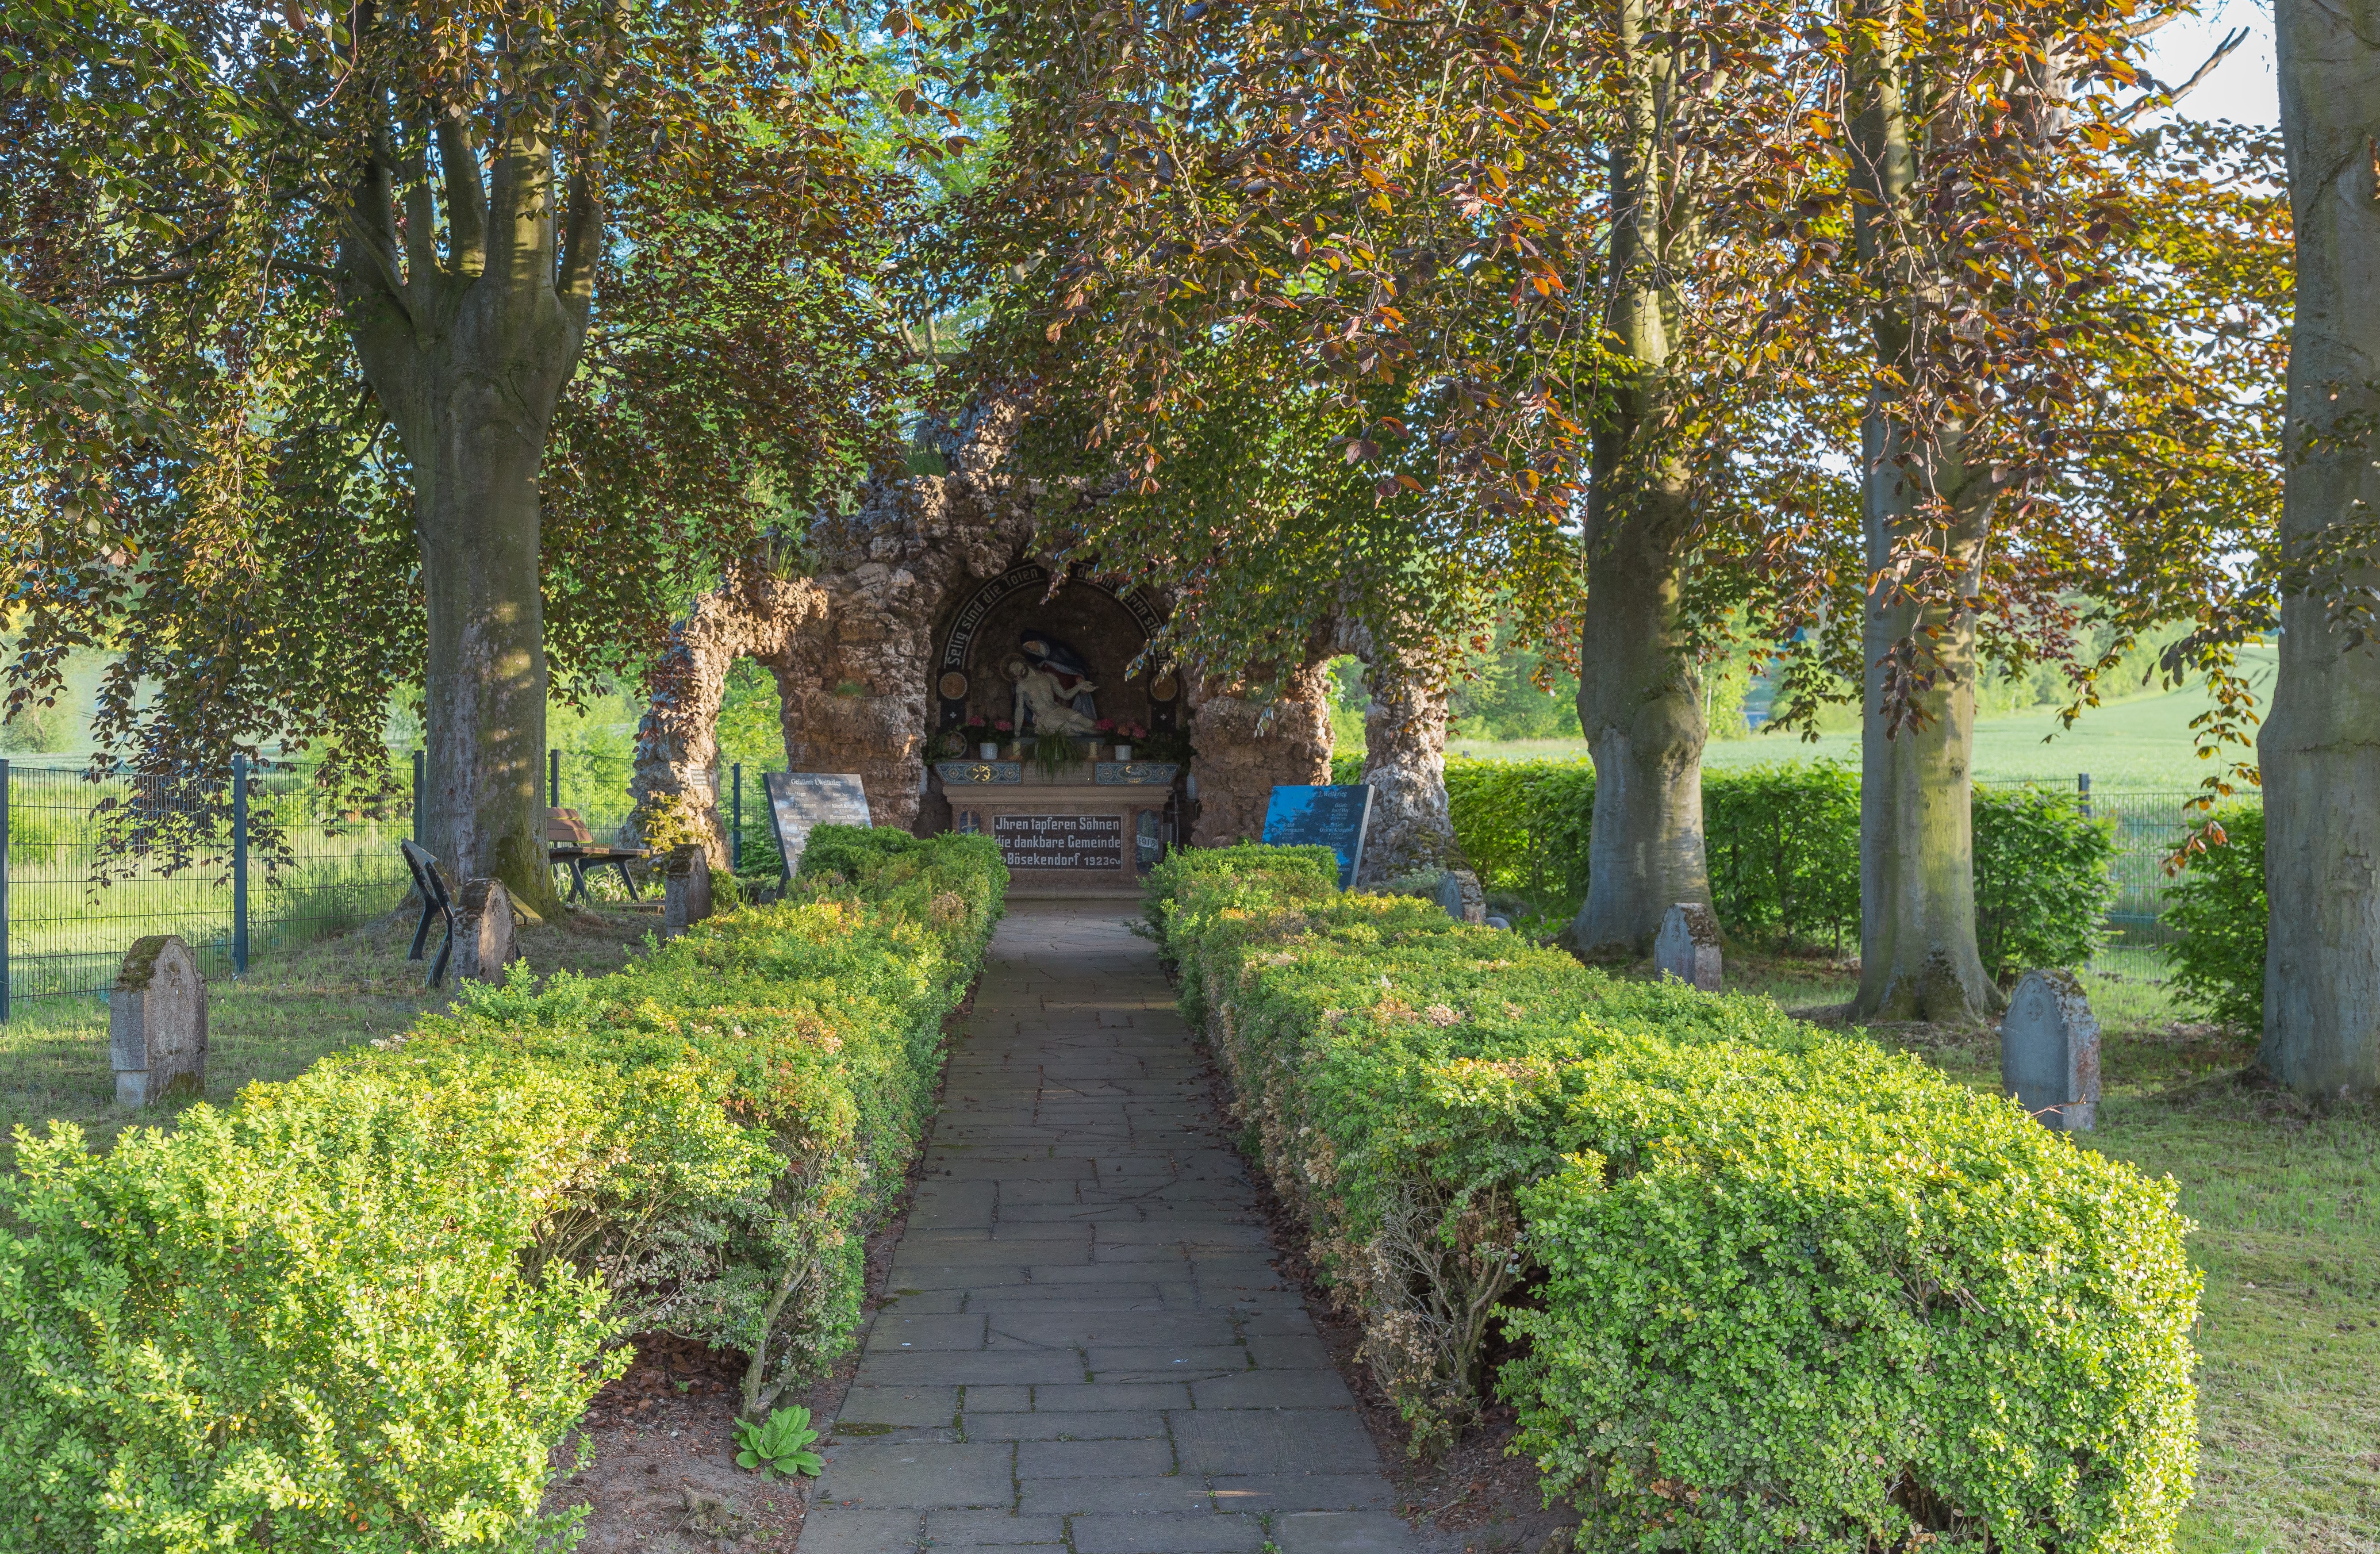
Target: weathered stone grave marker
<point x="1687" y="947"/>
<point x="685" y="889"/>
<point x="157" y="1023"/>
<point x="484" y="930"/>
<point x="2050" y="1051"/>
<point x="1458" y="894"/>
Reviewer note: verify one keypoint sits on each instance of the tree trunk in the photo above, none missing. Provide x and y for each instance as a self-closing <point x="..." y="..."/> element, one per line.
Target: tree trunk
<point x="1639" y="701"/>
<point x="1918" y="957"/>
<point x="467" y="352"/>
<point x="484" y="683"/>
<point x="2320" y="750"/>
<point x="1641" y="708"/>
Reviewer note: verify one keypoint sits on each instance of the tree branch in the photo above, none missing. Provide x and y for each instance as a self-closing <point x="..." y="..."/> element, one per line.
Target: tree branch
<point x="466" y="196"/>
<point x="2166" y="97"/>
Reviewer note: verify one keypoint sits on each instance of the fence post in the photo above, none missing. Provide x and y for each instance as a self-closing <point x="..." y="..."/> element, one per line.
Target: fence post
<point x="2082" y="786"/>
<point x="4" y="890"/>
<point x="553" y="778"/>
<point x="419" y="762"/>
<point x="239" y="865"/>
<point x="736" y="831"/>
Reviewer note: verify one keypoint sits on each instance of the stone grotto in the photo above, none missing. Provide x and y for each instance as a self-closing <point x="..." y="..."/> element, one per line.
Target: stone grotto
<point x="928" y="620"/>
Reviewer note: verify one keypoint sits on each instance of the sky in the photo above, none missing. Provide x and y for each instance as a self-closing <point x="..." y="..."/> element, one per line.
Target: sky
<point x="2245" y="88"/>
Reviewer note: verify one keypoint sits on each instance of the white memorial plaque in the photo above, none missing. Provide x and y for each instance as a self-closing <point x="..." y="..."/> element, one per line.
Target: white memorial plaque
<point x="1089" y="842"/>
<point x="800" y="800"/>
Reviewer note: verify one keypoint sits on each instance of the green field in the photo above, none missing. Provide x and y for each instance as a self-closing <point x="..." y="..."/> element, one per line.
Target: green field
<point x="2143" y="742"/>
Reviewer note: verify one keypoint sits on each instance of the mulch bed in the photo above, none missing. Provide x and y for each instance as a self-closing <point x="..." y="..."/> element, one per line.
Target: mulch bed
<point x="659" y="1443"/>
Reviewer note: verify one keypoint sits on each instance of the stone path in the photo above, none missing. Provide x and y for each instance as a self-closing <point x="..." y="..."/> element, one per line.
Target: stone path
<point x="1087" y="1345"/>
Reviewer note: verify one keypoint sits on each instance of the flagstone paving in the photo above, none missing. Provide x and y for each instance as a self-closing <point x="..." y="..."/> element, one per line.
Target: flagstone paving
<point x="1086" y="1344"/>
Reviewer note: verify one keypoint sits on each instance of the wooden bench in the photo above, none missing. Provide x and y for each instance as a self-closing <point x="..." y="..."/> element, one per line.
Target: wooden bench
<point x="571" y="844"/>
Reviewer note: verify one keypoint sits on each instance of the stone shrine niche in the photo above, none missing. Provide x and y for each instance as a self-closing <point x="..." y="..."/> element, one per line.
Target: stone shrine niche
<point x="1084" y="629"/>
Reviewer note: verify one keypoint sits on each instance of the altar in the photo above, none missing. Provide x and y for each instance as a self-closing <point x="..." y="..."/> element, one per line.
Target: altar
<point x="1095" y="829"/>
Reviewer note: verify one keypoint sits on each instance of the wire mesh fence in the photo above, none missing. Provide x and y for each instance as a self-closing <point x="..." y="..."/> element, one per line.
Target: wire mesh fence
<point x="96" y="862"/>
<point x="90" y="864"/>
<point x="2149" y="828"/>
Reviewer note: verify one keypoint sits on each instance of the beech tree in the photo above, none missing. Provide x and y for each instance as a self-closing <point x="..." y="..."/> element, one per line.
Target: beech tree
<point x="2320" y="748"/>
<point x="1695" y="98"/>
<point x="423" y="221"/>
<point x="1321" y="222"/>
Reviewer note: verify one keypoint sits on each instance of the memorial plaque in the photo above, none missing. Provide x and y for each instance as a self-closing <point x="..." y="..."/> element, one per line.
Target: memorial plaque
<point x="1085" y="842"/>
<point x="798" y="800"/>
<point x="1335" y="817"/>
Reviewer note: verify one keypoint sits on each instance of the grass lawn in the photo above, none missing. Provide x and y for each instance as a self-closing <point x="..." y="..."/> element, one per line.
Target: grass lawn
<point x="288" y="1010"/>
<point x="2136" y="745"/>
<point x="2286" y="1205"/>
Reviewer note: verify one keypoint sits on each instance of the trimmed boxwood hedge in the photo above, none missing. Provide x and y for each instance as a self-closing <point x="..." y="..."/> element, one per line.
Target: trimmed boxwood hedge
<point x="1775" y="1287"/>
<point x="356" y="1311"/>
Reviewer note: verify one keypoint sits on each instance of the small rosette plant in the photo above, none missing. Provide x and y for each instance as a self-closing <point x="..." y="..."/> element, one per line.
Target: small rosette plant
<point x="780" y="1446"/>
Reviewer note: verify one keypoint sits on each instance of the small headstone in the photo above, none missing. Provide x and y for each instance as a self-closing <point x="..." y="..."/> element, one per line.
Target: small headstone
<point x="1460" y="896"/>
<point x="484" y="930"/>
<point x="685" y="889"/>
<point x="157" y="1023"/>
<point x="2050" y="1051"/>
<point x="1687" y="948"/>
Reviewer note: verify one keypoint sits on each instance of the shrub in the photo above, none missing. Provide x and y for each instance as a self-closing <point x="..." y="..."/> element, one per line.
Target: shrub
<point x="358" y="1310"/>
<point x="2218" y="908"/>
<point x="2042" y="880"/>
<point x="1780" y="1290"/>
<point x="1782" y="841"/>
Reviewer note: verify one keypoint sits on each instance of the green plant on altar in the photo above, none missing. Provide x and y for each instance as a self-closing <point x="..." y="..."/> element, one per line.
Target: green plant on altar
<point x="780" y="1446"/>
<point x="1053" y="753"/>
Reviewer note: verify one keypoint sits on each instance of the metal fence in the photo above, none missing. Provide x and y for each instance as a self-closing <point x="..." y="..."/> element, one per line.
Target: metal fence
<point x="93" y="864"/>
<point x="88" y="865"/>
<point x="2150" y="825"/>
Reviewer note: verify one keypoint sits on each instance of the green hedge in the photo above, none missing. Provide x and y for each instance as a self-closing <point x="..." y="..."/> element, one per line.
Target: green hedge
<point x="1777" y="1289"/>
<point x="1782" y="843"/>
<point x="2217" y="907"/>
<point x="358" y="1310"/>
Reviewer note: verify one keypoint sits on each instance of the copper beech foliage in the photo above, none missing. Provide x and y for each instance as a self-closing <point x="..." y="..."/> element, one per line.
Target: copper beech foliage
<point x="201" y="191"/>
<point x="1341" y="270"/>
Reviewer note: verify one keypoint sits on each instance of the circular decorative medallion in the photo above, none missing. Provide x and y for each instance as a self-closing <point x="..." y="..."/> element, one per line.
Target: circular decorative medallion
<point x="953" y="685"/>
<point x="1165" y="688"/>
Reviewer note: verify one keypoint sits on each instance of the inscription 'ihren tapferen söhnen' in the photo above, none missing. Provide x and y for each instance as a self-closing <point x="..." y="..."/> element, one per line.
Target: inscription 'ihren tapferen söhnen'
<point x="1060" y="840"/>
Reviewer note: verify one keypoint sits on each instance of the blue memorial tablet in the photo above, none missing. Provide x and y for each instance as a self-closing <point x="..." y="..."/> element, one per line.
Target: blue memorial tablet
<point x="1331" y="817"/>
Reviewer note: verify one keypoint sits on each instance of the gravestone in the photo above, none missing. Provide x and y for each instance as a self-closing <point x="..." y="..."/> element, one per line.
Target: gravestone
<point x="484" y="930"/>
<point x="685" y="889"/>
<point x="2050" y="1051"/>
<point x="1459" y="894"/>
<point x="157" y="1023"/>
<point x="1332" y="816"/>
<point x="1687" y="947"/>
<point x="801" y="800"/>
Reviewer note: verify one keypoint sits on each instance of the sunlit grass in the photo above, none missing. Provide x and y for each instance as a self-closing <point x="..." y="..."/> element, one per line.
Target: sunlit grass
<point x="292" y="1008"/>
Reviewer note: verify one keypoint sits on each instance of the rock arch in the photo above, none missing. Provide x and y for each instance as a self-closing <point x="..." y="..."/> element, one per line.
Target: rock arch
<point x="856" y="651"/>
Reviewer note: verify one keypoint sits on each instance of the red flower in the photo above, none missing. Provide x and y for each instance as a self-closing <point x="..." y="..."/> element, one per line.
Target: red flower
<point x="1104" y="724"/>
<point x="1001" y="725"/>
